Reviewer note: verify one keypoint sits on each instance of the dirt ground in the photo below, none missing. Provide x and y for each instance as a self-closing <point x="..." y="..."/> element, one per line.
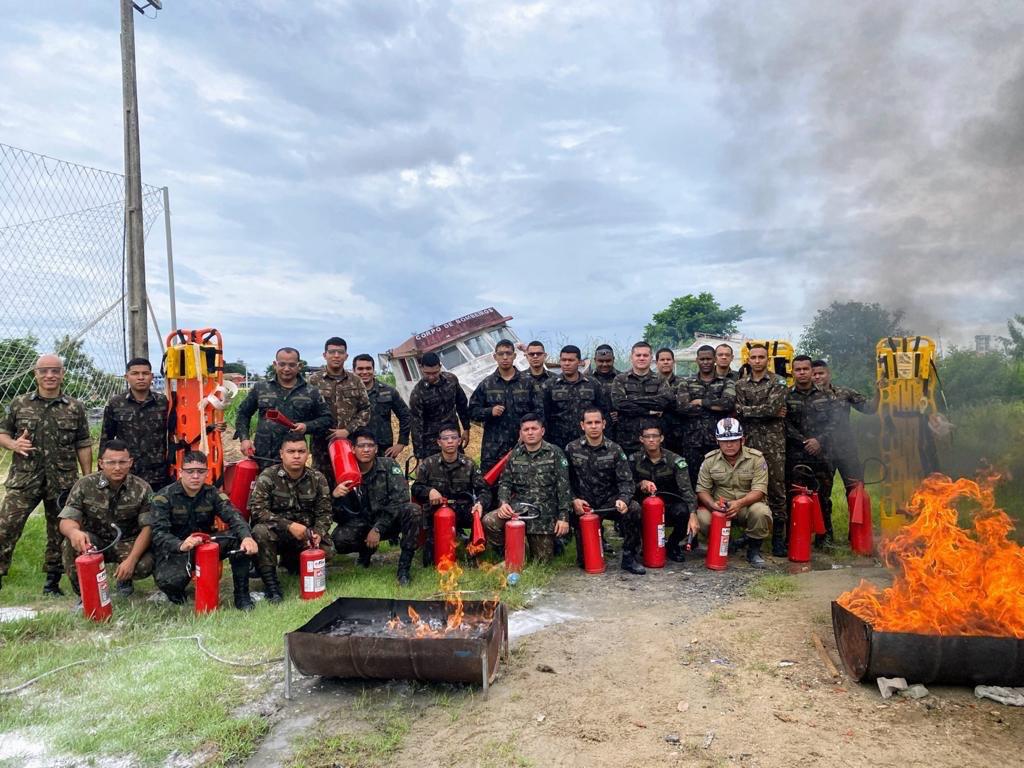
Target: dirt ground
<point x="681" y="668"/>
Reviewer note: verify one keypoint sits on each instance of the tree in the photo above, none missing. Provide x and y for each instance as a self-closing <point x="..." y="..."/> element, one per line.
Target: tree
<point x="17" y="358"/>
<point x="236" y="367"/>
<point x="845" y="334"/>
<point x="1014" y="345"/>
<point x="689" y="315"/>
<point x="970" y="378"/>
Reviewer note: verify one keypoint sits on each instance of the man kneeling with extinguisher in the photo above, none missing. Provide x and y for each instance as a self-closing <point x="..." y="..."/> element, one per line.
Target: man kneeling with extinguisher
<point x="290" y="509"/>
<point x="734" y="479"/>
<point x="96" y="504"/>
<point x="188" y="506"/>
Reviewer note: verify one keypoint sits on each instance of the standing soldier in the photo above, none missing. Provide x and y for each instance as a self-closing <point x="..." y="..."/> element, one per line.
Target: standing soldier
<point x="289" y="394"/>
<point x="290" y="509"/>
<point x="663" y="472"/>
<point x="605" y="374"/>
<point x="601" y="480"/>
<point x="723" y="363"/>
<point x="671" y="422"/>
<point x="436" y="401"/>
<point x="378" y="508"/>
<point x="98" y="502"/>
<point x="808" y="438"/>
<point x="702" y="400"/>
<point x="384" y="401"/>
<point x="500" y="401"/>
<point x="537" y="357"/>
<point x="843" y="449"/>
<point x="189" y="506"/>
<point x="640" y="396"/>
<point x="48" y="433"/>
<point x="568" y="395"/>
<point x="761" y="407"/>
<point x="345" y="395"/>
<point x="537" y="474"/>
<point x="139" y="418"/>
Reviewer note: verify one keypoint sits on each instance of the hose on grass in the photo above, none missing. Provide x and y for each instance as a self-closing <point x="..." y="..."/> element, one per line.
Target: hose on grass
<point x="197" y="638"/>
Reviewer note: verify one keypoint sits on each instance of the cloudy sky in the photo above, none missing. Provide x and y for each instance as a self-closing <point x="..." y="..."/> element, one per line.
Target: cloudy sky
<point x="369" y="168"/>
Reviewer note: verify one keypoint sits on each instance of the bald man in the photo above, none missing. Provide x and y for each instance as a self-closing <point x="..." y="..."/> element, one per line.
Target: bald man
<point x="48" y="434"/>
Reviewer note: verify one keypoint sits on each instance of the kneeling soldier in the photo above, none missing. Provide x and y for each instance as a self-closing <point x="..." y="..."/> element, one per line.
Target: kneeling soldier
<point x="101" y="500"/>
<point x="291" y="508"/>
<point x="657" y="470"/>
<point x="189" y="506"/>
<point x="379" y="507"/>
<point x="738" y="476"/>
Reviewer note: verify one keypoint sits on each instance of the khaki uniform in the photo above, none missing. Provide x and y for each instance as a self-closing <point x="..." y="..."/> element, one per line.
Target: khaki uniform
<point x="58" y="429"/>
<point x="277" y="501"/>
<point x="349" y="404"/>
<point x="722" y="480"/>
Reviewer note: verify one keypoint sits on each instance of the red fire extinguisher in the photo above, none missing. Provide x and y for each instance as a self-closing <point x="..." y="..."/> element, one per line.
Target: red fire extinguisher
<point x="312" y="570"/>
<point x="275" y="415"/>
<point x="717" y="558"/>
<point x="242" y="482"/>
<point x="492" y="475"/>
<point x="343" y="461"/>
<point x="444" y="537"/>
<point x="862" y="539"/>
<point x="652" y="522"/>
<point x="590" y="541"/>
<point x="801" y="520"/>
<point x="515" y="546"/>
<point x="92" y="582"/>
<point x="206" y="574"/>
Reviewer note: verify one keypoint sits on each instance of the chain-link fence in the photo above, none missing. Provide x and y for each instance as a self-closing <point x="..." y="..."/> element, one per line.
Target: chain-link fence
<point x="63" y="289"/>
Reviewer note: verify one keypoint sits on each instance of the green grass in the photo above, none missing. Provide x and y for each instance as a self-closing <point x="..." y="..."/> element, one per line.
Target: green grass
<point x="142" y="696"/>
<point x="772" y="586"/>
<point x="503" y="754"/>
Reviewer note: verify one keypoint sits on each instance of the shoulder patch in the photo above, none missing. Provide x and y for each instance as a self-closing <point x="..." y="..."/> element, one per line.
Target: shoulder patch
<point x="565" y="463"/>
<point x="224" y="497"/>
<point x="681" y="463"/>
<point x="622" y="455"/>
<point x="396" y="470"/>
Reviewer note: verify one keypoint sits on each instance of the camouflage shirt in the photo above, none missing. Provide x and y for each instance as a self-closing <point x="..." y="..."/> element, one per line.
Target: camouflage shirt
<point x="175" y="515"/>
<point x="842" y="399"/>
<point x="377" y="501"/>
<point x="143" y="426"/>
<point x="385" y="400"/>
<point x="433" y="406"/>
<point x="346" y="398"/>
<point x="95" y="504"/>
<point x="449" y="479"/>
<point x="760" y="401"/>
<point x="540" y="379"/>
<point x="669" y="474"/>
<point x="540" y="477"/>
<point x="564" y="403"/>
<point x="57" y="429"/>
<point x="809" y="414"/>
<point x="639" y="400"/>
<point x="520" y="396"/>
<point x="302" y="404"/>
<point x="717" y="397"/>
<point x="277" y="501"/>
<point x="599" y="474"/>
<point x="671" y="421"/>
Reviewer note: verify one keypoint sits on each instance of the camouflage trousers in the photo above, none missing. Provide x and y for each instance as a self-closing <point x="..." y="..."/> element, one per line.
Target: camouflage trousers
<point x="771" y="441"/>
<point x="172" y="573"/>
<point x="541" y="546"/>
<point x="17" y="506"/>
<point x="350" y="536"/>
<point x="274" y="545"/>
<point x="823" y="473"/>
<point x="115" y="555"/>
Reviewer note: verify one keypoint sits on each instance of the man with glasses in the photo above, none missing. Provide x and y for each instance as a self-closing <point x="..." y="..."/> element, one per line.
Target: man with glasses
<point x="187" y="507"/>
<point x="98" y="502"/>
<point x="384" y="401"/>
<point x="48" y="434"/>
<point x="289" y="394"/>
<point x="379" y="507"/>
<point x="345" y="395"/>
<point x="500" y="401"/>
<point x="139" y="418"/>
<point x="537" y="357"/>
<point x="436" y="401"/>
<point x="566" y="397"/>
<point x="659" y="471"/>
<point x="640" y="396"/>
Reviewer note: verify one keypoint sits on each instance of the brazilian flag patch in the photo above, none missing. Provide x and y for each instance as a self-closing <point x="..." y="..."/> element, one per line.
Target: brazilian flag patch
<point x="396" y="470"/>
<point x="681" y="463"/>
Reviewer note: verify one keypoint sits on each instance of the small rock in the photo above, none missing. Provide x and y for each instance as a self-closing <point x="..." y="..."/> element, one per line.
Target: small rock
<point x="540" y="717"/>
<point x="672" y="738"/>
<point x="887" y="686"/>
<point x="786" y="663"/>
<point x="546" y="668"/>
<point x="683" y="706"/>
<point x="710" y="737"/>
<point x="917" y="691"/>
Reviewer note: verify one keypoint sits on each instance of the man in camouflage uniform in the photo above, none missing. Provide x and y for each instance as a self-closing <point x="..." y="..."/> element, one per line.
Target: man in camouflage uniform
<point x="537" y="358"/>
<point x="659" y="471"/>
<point x="436" y="401"/>
<point x="605" y="374"/>
<point x="761" y="408"/>
<point x="537" y="473"/>
<point x="346" y="398"/>
<point x="452" y="476"/>
<point x="189" y="506"/>
<point x="843" y="446"/>
<point x="139" y="418"/>
<point x="384" y="401"/>
<point x="379" y="507"/>
<point x="98" y="502"/>
<point x="640" y="397"/>
<point x="500" y="401"/>
<point x="809" y="418"/>
<point x="601" y="480"/>
<point x="671" y="421"/>
<point x="48" y="434"/>
<point x="723" y="363"/>
<point x="568" y="395"/>
<point x="290" y="509"/>
<point x="289" y="394"/>
<point x="703" y="399"/>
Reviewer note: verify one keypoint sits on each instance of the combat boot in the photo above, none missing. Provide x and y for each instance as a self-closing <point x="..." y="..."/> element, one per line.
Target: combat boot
<point x="52" y="585"/>
<point x="754" y="554"/>
<point x="404" y="564"/>
<point x="124" y="588"/>
<point x="630" y="564"/>
<point x="177" y="598"/>
<point x="271" y="586"/>
<point x="240" y="580"/>
<point x="779" y="541"/>
<point x="364" y="557"/>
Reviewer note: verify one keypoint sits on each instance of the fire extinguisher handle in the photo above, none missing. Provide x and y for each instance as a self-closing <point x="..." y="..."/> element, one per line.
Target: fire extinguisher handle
<point x="111" y="545"/>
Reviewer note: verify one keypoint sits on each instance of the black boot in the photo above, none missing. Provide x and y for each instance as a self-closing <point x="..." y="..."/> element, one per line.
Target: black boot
<point x="428" y="553"/>
<point x="177" y="598"/>
<point x="52" y="585"/>
<point x="779" y="541"/>
<point x="404" y="564"/>
<point x="240" y="579"/>
<point x="754" y="554"/>
<point x="735" y="545"/>
<point x="271" y="586"/>
<point x="124" y="588"/>
<point x="630" y="564"/>
<point x="364" y="557"/>
<point x="672" y="549"/>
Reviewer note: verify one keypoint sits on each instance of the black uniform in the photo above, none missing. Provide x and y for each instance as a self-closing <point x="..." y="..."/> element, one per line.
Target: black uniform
<point x="385" y="400"/>
<point x="671" y="477"/>
<point x="303" y="404"/>
<point x="433" y="407"/>
<point x="520" y="396"/>
<point x="809" y="413"/>
<point x="564" y="403"/>
<point x="600" y="475"/>
<point x="143" y="427"/>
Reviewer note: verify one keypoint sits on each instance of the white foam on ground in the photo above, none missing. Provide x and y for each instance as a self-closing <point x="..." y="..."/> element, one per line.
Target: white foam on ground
<point x="530" y="620"/>
<point x="16" y="613"/>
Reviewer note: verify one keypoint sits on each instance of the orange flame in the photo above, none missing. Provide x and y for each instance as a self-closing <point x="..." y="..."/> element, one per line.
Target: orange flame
<point x="452" y="596"/>
<point x="950" y="581"/>
<point x="394" y="623"/>
<point x="414" y="617"/>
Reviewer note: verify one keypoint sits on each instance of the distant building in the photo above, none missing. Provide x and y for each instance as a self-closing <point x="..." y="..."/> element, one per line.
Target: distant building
<point x="982" y="344"/>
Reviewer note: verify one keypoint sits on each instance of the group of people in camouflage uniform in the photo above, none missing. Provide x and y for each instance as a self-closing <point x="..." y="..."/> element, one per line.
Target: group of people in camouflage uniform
<point x="573" y="443"/>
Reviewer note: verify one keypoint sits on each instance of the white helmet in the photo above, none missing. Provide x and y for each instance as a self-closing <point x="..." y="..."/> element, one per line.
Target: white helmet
<point x="728" y="429"/>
